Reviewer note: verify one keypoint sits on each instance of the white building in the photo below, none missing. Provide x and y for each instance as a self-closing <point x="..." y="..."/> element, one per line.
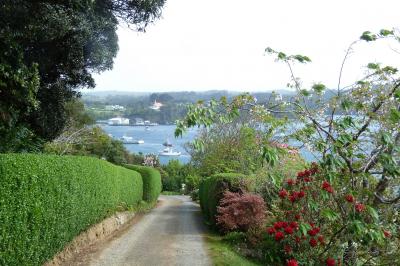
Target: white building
<point x="156" y="106"/>
<point x="118" y="121"/>
<point x="114" y="108"/>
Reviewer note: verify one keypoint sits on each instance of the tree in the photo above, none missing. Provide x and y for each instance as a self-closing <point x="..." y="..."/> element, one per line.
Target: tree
<point x="355" y="135"/>
<point x="228" y="148"/>
<point x="16" y="102"/>
<point x="63" y="43"/>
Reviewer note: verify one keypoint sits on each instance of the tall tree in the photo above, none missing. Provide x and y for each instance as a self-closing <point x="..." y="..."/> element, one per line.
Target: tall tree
<point x="50" y="48"/>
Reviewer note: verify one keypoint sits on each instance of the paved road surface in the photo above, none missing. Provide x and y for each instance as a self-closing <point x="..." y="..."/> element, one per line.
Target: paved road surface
<point x="171" y="234"/>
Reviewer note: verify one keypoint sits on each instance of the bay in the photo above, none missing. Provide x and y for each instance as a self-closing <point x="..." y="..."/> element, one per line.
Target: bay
<point x="153" y="137"/>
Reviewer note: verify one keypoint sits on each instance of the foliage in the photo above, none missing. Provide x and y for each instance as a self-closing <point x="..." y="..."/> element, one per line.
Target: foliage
<point x="92" y="141"/>
<point x="354" y="133"/>
<point x="269" y="179"/>
<point x="316" y="217"/>
<point x="47" y="200"/>
<point x="77" y="116"/>
<point x="240" y="212"/>
<point x="21" y="101"/>
<point x="50" y="50"/>
<point x="151" y="181"/>
<point x="212" y="189"/>
<point x="175" y="176"/>
<point x="233" y="147"/>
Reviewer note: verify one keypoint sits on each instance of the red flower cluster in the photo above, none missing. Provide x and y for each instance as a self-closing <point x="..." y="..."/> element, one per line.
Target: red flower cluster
<point x="327" y="187"/>
<point x="285" y="229"/>
<point x="283" y="193"/>
<point x="290" y="182"/>
<point x="313" y="242"/>
<point x="279" y="236"/>
<point x="287" y="249"/>
<point x="349" y="198"/>
<point x="296" y="195"/>
<point x="306" y="174"/>
<point x="292" y="262"/>
<point x="330" y="262"/>
<point x="387" y="233"/>
<point x="314" y="231"/>
<point x="360" y="207"/>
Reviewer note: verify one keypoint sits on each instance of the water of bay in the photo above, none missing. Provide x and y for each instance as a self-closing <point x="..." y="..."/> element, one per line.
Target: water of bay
<point x="155" y="136"/>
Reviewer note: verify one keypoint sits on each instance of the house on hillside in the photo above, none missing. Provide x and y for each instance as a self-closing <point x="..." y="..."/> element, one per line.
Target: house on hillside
<point x="156" y="106"/>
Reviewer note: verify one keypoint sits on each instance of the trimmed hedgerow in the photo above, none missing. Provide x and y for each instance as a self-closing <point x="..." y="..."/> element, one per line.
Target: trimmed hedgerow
<point x="47" y="200"/>
<point x="211" y="191"/>
<point x="151" y="181"/>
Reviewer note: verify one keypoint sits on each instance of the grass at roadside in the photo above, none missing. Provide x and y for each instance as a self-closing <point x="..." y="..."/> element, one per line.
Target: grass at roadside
<point x="222" y="253"/>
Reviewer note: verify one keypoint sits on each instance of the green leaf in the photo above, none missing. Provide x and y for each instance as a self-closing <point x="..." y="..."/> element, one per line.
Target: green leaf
<point x="386" y="138"/>
<point x="394" y="115"/>
<point x="358" y="226"/>
<point x="373" y="213"/>
<point x="329" y="214"/>
<point x="305" y="93"/>
<point x="301" y="58"/>
<point x="282" y="56"/>
<point x="318" y="88"/>
<point x="269" y="50"/>
<point x="397" y="94"/>
<point x="373" y="66"/>
<point x="346" y="104"/>
<point x="385" y="32"/>
<point x="368" y="36"/>
<point x="304" y="228"/>
<point x="390" y="70"/>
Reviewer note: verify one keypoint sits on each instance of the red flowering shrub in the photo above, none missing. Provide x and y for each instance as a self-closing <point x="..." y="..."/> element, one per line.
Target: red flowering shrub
<point x="241" y="211"/>
<point x="314" y="220"/>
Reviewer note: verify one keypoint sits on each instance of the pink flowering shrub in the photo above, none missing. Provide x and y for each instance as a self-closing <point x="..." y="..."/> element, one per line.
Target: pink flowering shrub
<point x="240" y="212"/>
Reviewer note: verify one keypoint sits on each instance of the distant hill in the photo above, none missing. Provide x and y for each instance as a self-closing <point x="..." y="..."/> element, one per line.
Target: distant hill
<point x="137" y="104"/>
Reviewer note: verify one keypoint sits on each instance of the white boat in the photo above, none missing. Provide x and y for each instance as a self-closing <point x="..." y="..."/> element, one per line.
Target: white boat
<point x="169" y="152"/>
<point x="130" y="140"/>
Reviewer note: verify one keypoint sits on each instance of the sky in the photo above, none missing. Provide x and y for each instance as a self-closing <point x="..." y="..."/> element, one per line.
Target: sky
<point x="219" y="45"/>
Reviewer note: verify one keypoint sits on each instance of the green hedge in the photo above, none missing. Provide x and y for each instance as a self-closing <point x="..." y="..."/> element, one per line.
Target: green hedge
<point x="211" y="191"/>
<point x="47" y="200"/>
<point x="151" y="181"/>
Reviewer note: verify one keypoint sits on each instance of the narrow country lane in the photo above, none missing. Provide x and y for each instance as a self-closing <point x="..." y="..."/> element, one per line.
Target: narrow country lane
<point x="171" y="234"/>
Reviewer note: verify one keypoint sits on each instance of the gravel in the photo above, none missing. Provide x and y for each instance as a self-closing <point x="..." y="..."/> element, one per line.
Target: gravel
<point x="170" y="234"/>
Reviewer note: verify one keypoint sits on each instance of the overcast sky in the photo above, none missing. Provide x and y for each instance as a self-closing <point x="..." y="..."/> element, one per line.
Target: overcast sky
<point x="219" y="44"/>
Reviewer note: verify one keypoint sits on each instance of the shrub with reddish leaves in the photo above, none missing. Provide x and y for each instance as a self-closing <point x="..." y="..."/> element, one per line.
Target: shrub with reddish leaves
<point x="241" y="212"/>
